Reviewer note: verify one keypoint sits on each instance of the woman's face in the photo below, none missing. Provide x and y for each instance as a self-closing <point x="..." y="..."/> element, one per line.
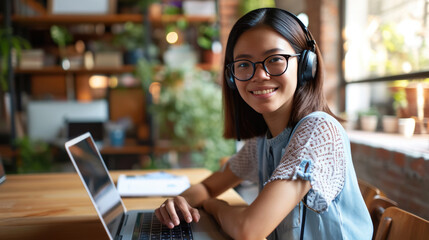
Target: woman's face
<point x="266" y="94"/>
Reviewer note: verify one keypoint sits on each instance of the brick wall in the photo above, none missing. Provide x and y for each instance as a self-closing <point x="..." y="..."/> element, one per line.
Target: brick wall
<point x="403" y="178"/>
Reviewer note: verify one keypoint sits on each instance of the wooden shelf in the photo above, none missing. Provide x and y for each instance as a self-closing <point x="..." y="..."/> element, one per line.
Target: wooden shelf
<point x="59" y="70"/>
<point x="101" y="70"/>
<point x="104" y="19"/>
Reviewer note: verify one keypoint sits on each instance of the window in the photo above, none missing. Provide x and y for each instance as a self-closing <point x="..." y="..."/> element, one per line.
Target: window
<point x="386" y="56"/>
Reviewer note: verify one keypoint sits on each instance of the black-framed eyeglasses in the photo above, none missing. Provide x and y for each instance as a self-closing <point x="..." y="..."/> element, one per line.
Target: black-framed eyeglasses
<point x="275" y="65"/>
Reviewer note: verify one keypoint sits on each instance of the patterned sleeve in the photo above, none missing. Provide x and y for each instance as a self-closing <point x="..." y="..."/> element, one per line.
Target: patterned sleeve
<point x="316" y="153"/>
<point x="244" y="164"/>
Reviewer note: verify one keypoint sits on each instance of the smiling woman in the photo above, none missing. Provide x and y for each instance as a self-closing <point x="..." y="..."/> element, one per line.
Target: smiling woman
<point x="295" y="150"/>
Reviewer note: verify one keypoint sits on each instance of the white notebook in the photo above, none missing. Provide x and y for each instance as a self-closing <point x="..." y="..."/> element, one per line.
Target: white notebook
<point x="152" y="184"/>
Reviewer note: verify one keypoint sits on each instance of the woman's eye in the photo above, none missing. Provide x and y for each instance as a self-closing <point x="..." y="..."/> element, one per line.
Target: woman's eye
<point x="243" y="65"/>
<point x="275" y="59"/>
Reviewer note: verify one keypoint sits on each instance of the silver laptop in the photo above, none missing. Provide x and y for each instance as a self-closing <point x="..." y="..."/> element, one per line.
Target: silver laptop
<point x="117" y="221"/>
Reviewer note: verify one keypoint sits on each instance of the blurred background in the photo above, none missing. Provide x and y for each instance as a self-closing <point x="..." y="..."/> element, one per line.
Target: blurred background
<point x="144" y="77"/>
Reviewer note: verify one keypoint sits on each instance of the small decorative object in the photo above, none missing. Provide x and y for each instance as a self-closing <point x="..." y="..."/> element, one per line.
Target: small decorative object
<point x="108" y="59"/>
<point x="199" y="8"/>
<point x="406" y="126"/>
<point x="32" y="59"/>
<point x="82" y="6"/>
<point x="390" y="124"/>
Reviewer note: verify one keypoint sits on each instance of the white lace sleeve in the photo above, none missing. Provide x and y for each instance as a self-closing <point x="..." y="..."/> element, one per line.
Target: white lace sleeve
<point x="316" y="153"/>
<point x="244" y="164"/>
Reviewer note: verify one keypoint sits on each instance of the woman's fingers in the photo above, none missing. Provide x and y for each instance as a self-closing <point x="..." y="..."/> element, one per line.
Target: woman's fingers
<point x="185" y="209"/>
<point x="168" y="213"/>
<point x="171" y="210"/>
<point x="195" y="214"/>
<point x="182" y="206"/>
<point x="165" y="216"/>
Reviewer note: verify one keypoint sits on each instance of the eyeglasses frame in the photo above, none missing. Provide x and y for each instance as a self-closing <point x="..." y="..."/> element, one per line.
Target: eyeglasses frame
<point x="286" y="56"/>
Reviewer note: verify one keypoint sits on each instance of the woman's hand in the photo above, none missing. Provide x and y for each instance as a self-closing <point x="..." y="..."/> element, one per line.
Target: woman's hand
<point x="175" y="209"/>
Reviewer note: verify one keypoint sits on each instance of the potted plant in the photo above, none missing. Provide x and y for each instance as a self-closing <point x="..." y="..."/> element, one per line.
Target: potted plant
<point x="132" y="41"/>
<point x="16" y="43"/>
<point x="34" y="156"/>
<point x="390" y="123"/>
<point x="61" y="36"/>
<point x="249" y="5"/>
<point x="369" y="119"/>
<point x="208" y="40"/>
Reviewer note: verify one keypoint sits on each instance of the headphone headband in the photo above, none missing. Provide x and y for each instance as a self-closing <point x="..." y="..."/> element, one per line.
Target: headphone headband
<point x="311" y="43"/>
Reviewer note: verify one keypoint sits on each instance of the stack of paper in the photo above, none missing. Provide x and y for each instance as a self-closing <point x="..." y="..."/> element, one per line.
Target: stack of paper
<point x="152" y="184"/>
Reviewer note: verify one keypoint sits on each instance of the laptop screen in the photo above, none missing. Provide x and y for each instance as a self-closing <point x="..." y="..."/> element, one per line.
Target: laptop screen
<point x="100" y="187"/>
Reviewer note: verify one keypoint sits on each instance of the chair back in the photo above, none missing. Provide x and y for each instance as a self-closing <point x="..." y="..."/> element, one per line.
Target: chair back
<point x="376" y="209"/>
<point x="368" y="192"/>
<point x="398" y="224"/>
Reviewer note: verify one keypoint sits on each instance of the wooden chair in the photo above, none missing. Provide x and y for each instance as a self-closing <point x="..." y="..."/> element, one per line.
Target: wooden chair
<point x="369" y="192"/>
<point x="376" y="209"/>
<point x="398" y="224"/>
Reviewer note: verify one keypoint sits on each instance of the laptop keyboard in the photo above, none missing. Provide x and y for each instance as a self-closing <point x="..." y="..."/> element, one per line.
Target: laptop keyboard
<point x="151" y="228"/>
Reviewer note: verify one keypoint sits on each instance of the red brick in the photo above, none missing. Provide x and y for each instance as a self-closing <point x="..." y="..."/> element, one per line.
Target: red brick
<point x="418" y="165"/>
<point x="354" y="147"/>
<point x="383" y="154"/>
<point x="399" y="159"/>
<point x="367" y="150"/>
<point x="417" y="209"/>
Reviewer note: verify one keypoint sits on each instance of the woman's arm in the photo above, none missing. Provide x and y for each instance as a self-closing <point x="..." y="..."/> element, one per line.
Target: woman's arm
<point x="258" y="220"/>
<point x="184" y="205"/>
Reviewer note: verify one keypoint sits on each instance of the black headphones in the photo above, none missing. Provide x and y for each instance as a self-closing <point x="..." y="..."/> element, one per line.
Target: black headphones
<point x="307" y="64"/>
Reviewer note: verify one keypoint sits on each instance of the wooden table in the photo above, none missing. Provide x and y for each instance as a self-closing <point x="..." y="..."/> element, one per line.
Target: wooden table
<point x="56" y="205"/>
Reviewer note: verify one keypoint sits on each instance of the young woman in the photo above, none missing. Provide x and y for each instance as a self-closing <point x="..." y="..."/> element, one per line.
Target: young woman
<point x="295" y="148"/>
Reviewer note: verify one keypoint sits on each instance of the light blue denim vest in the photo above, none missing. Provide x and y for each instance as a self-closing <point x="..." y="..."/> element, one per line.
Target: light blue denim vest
<point x="347" y="216"/>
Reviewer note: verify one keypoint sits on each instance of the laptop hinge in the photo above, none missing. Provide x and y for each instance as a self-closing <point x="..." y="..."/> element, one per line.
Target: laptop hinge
<point x="125" y="220"/>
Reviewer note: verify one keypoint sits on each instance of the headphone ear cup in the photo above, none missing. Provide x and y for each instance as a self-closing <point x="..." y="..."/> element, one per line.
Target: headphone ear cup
<point x="307" y="67"/>
<point x="230" y="80"/>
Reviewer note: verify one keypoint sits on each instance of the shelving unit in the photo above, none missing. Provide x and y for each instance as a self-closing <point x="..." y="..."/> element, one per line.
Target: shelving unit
<point x="59" y="70"/>
<point x="105" y="19"/>
<point x="22" y="77"/>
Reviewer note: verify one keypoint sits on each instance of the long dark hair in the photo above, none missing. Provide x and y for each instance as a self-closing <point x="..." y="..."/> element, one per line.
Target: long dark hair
<point x="307" y="98"/>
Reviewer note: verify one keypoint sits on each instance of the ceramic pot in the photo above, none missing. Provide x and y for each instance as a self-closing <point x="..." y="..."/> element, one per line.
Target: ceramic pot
<point x="368" y="123"/>
<point x="390" y="124"/>
<point x="406" y="126"/>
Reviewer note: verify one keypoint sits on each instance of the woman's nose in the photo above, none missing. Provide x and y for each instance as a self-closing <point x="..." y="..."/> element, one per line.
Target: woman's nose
<point x="260" y="72"/>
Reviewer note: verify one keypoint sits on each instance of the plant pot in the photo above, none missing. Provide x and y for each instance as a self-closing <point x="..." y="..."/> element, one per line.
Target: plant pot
<point x="390" y="124"/>
<point x="406" y="126"/>
<point x="368" y="123"/>
<point x="131" y="57"/>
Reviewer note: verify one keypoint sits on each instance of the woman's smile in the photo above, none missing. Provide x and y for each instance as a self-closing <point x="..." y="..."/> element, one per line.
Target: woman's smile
<point x="264" y="92"/>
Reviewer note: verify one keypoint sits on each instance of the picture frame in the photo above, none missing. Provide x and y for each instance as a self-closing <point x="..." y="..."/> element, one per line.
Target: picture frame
<point x="82" y="7"/>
